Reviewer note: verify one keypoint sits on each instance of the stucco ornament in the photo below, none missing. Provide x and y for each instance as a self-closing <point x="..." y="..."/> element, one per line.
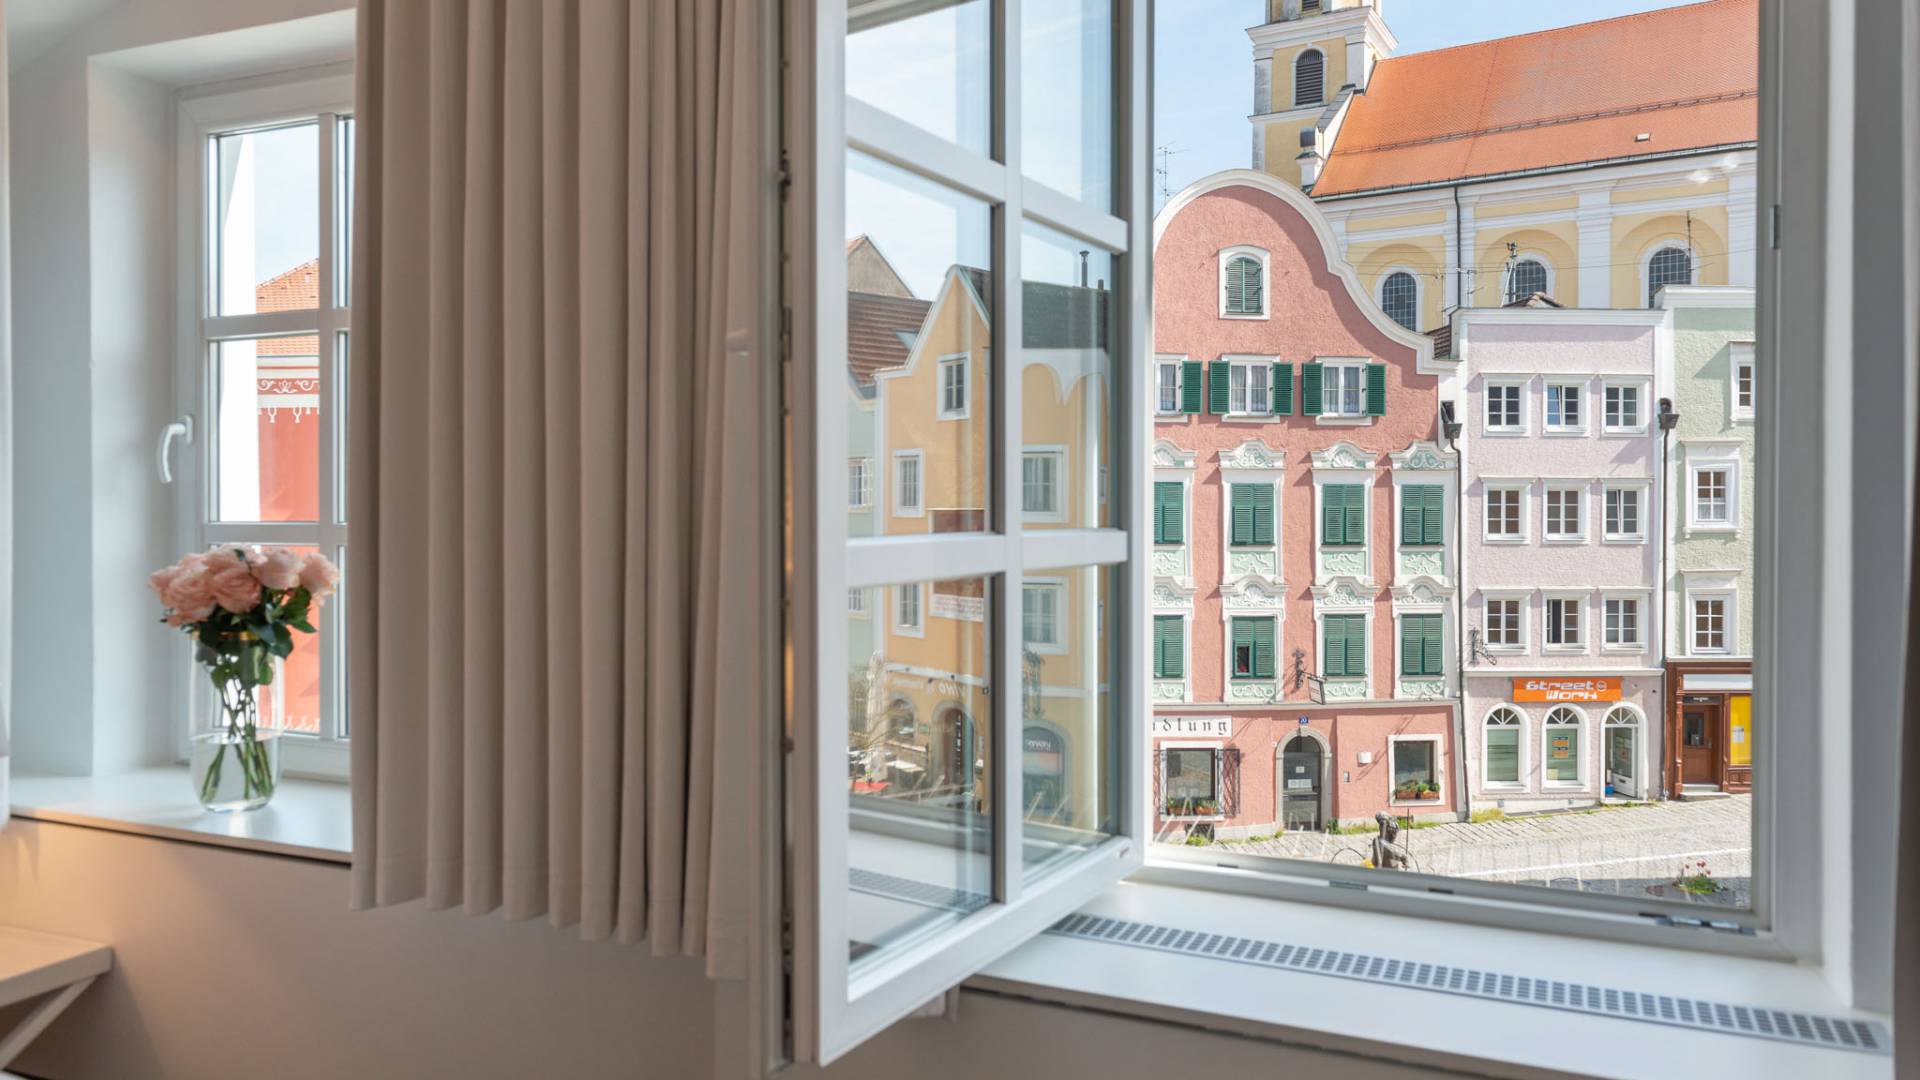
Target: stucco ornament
<point x="1168" y="594"/>
<point x="1170" y="562"/>
<point x="1344" y="592"/>
<point x="1343" y="563"/>
<point x="1169" y="692"/>
<point x="1251" y="691"/>
<point x="1427" y="563"/>
<point x="1423" y="689"/>
<point x="1424" y="457"/>
<point x="1344" y="455"/>
<point x="1420" y="592"/>
<point x="1250" y="595"/>
<point x="1241" y="563"/>
<point x="1168" y="456"/>
<point x="1252" y="454"/>
<point x="1346" y="689"/>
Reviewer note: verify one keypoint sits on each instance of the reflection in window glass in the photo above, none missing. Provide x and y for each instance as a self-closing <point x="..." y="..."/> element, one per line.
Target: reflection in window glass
<point x="929" y="64"/>
<point x="267" y="431"/>
<point x="919" y="762"/>
<point x="1414" y="776"/>
<point x="1066" y="97"/>
<point x="1069" y="770"/>
<point x="1066" y="375"/>
<point x="919" y="346"/>
<point x="266" y="216"/>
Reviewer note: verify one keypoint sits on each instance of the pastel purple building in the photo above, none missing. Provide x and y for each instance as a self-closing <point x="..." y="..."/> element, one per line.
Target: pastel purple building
<point x="1561" y="554"/>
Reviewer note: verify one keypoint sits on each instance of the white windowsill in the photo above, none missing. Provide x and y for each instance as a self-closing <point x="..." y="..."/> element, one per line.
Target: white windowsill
<point x="1418" y="1026"/>
<point x="310" y="819"/>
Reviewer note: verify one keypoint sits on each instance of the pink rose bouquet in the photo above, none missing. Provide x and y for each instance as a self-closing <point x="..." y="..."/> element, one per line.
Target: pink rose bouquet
<point x="242" y="607"/>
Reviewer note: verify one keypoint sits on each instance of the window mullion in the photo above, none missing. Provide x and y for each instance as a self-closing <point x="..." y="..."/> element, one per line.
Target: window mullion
<point x="325" y="346"/>
<point x="1010" y="646"/>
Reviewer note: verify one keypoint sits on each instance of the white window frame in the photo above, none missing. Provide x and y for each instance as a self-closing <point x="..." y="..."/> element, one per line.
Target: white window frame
<point x="1546" y="264"/>
<point x="1519" y="388"/>
<point x="860" y="483"/>
<point x="1581" y="512"/>
<point x="1577" y="598"/>
<point x="1638" y="599"/>
<point x="1641" y="300"/>
<point x="1740" y="358"/>
<point x="1241" y="371"/>
<point x="1226" y="256"/>
<point x="1697" y="466"/>
<point x="1580" y="748"/>
<point x="1640" y="402"/>
<point x="1521" y="493"/>
<point x="897" y="597"/>
<point x="1729" y="600"/>
<point x="1522" y="599"/>
<point x="1057" y="455"/>
<point x="901" y="507"/>
<point x="1215" y="748"/>
<point x="963" y="363"/>
<point x="1056" y="588"/>
<point x="1439" y="752"/>
<point x="1356" y="372"/>
<point x="857" y="603"/>
<point x="1582" y="405"/>
<point x="1521" y="731"/>
<point x="1419" y="291"/>
<point x="1639" y="490"/>
<point x="1160" y="369"/>
<point x="326" y="102"/>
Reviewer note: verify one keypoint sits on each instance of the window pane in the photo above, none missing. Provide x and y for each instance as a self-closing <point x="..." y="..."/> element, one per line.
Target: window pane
<point x="1413" y="771"/>
<point x="1066" y="358"/>
<point x="1066" y="97"/>
<point x="343" y="211"/>
<point x="1503" y="755"/>
<point x="929" y="64"/>
<point x="919" y="763"/>
<point x="266" y="219"/>
<point x="1069" y="742"/>
<point x="267" y="429"/>
<point x="919" y="328"/>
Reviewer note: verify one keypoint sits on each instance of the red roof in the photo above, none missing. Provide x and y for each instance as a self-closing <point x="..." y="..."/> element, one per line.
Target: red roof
<point x="1688" y="77"/>
<point x="880" y="330"/>
<point x="293" y="290"/>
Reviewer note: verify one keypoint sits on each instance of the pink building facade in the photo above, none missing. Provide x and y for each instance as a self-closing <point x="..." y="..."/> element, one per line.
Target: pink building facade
<point x="1304" y="649"/>
<point x="1561" y="560"/>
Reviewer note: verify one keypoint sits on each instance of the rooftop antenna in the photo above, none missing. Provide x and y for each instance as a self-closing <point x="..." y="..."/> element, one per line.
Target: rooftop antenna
<point x="1513" y="257"/>
<point x="1164" y="171"/>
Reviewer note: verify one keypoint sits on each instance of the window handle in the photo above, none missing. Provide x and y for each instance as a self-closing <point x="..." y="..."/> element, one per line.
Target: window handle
<point x="181" y="428"/>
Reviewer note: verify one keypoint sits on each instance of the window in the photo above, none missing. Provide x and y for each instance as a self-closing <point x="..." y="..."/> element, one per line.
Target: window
<point x="1563" y="516"/>
<point x="1040" y="482"/>
<point x="1563" y="622"/>
<point x="1169" y="646"/>
<point x="1343" y="646"/>
<point x="953" y="387"/>
<point x="1309" y="78"/>
<point x="1504" y="629"/>
<point x="1668" y="266"/>
<point x="859" y="483"/>
<point x="1243" y="285"/>
<point x="1501" y="746"/>
<point x="1561" y="737"/>
<point x="1343" y="390"/>
<point x="1712" y="497"/>
<point x="1167" y="387"/>
<point x="1621" y="410"/>
<point x="1742" y="382"/>
<point x="1400" y="299"/>
<point x="1421" y="515"/>
<point x="1420" y="652"/>
<point x="1415" y="769"/>
<point x="1529" y="276"/>
<point x="1343" y="515"/>
<point x="1252" y="515"/>
<point x="906" y="483"/>
<point x="1169" y="512"/>
<point x="857" y="602"/>
<point x="1563" y="407"/>
<point x="269" y="359"/>
<point x="1252" y="647"/>
<point x="1503" y="408"/>
<point x="1190" y="780"/>
<point x="1504" y="514"/>
<point x="1623" y="514"/>
<point x="1040" y="615"/>
<point x="906" y="608"/>
<point x="1248" y="389"/>
<point x="1710" y="624"/>
<point x="1622" y="622"/>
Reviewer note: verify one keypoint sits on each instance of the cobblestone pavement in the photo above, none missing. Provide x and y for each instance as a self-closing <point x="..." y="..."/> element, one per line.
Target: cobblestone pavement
<point x="1631" y="849"/>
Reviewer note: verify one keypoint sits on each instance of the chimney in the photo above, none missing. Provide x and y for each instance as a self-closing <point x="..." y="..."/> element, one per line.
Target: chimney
<point x="1309" y="159"/>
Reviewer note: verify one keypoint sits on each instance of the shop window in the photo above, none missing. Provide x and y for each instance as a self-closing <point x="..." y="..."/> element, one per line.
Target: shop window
<point x="1562" y="740"/>
<point x="1502" y="743"/>
<point x="1415" y="770"/>
<point x="1190" y="782"/>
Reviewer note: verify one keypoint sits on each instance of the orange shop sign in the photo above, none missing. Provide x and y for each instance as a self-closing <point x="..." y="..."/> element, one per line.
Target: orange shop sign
<point x="1596" y="688"/>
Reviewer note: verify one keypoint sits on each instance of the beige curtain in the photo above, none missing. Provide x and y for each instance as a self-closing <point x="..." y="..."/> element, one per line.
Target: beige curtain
<point x="6" y="437"/>
<point x="559" y="576"/>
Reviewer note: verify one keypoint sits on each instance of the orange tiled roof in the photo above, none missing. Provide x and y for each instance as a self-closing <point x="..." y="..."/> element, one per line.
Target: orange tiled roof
<point x="880" y="330"/>
<point x="292" y="290"/>
<point x="1687" y="76"/>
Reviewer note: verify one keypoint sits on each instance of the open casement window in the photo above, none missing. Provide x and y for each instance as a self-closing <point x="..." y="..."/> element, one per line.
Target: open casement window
<point x="954" y="792"/>
<point x="265" y="177"/>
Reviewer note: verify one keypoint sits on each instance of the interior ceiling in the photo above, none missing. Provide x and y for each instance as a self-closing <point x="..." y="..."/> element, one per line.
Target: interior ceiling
<point x="33" y="26"/>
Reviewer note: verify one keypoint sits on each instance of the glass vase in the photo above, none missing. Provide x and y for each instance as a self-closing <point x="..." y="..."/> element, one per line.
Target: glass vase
<point x="235" y="753"/>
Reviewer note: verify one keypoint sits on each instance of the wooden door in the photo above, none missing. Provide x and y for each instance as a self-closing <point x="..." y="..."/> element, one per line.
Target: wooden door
<point x="1700" y="744"/>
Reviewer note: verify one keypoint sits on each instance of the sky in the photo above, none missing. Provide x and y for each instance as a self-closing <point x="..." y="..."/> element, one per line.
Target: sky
<point x="1201" y="100"/>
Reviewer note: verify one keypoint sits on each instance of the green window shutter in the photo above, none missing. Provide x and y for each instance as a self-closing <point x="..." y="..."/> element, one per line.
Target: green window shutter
<point x="1356" y="644"/>
<point x="1420" y="645"/>
<point x="1190" y="388"/>
<point x="1218" y="373"/>
<point x="1242" y="637"/>
<point x="1344" y="645"/>
<point x="1309" y="389"/>
<point x="1353" y="515"/>
<point x="1376" y="389"/>
<point x="1236" y="286"/>
<point x="1431" y="531"/>
<point x="1282" y="390"/>
<point x="1169" y="524"/>
<point x="1333" y="499"/>
<point x="1430" y="652"/>
<point x="1262" y="514"/>
<point x="1242" y="532"/>
<point x="1252" y="285"/>
<point x="1420" y="514"/>
<point x="1263" y="648"/>
<point x="1168" y="651"/>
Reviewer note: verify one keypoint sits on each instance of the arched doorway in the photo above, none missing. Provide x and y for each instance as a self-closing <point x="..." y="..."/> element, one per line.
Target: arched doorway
<point x="1622" y="734"/>
<point x="1302" y="786"/>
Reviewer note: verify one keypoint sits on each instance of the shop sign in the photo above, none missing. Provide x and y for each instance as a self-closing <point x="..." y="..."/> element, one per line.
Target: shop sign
<point x="960" y="608"/>
<point x="1593" y="688"/>
<point x="1192" y="727"/>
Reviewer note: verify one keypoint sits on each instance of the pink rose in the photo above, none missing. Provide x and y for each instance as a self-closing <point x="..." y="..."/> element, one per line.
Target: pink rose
<point x="319" y="576"/>
<point x="232" y="582"/>
<point x="187" y="591"/>
<point x="278" y="568"/>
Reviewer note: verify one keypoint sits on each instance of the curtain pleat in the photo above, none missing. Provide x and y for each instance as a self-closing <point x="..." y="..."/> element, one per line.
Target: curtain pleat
<point x="557" y="464"/>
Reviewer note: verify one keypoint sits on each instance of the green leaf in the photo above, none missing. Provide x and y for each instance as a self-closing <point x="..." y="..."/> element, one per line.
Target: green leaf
<point x="303" y="626"/>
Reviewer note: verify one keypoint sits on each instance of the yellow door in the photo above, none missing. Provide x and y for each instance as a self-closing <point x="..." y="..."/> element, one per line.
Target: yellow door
<point x="1740" y="729"/>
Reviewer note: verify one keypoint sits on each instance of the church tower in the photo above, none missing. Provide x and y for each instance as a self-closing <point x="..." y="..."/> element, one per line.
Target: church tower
<point x="1309" y="59"/>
